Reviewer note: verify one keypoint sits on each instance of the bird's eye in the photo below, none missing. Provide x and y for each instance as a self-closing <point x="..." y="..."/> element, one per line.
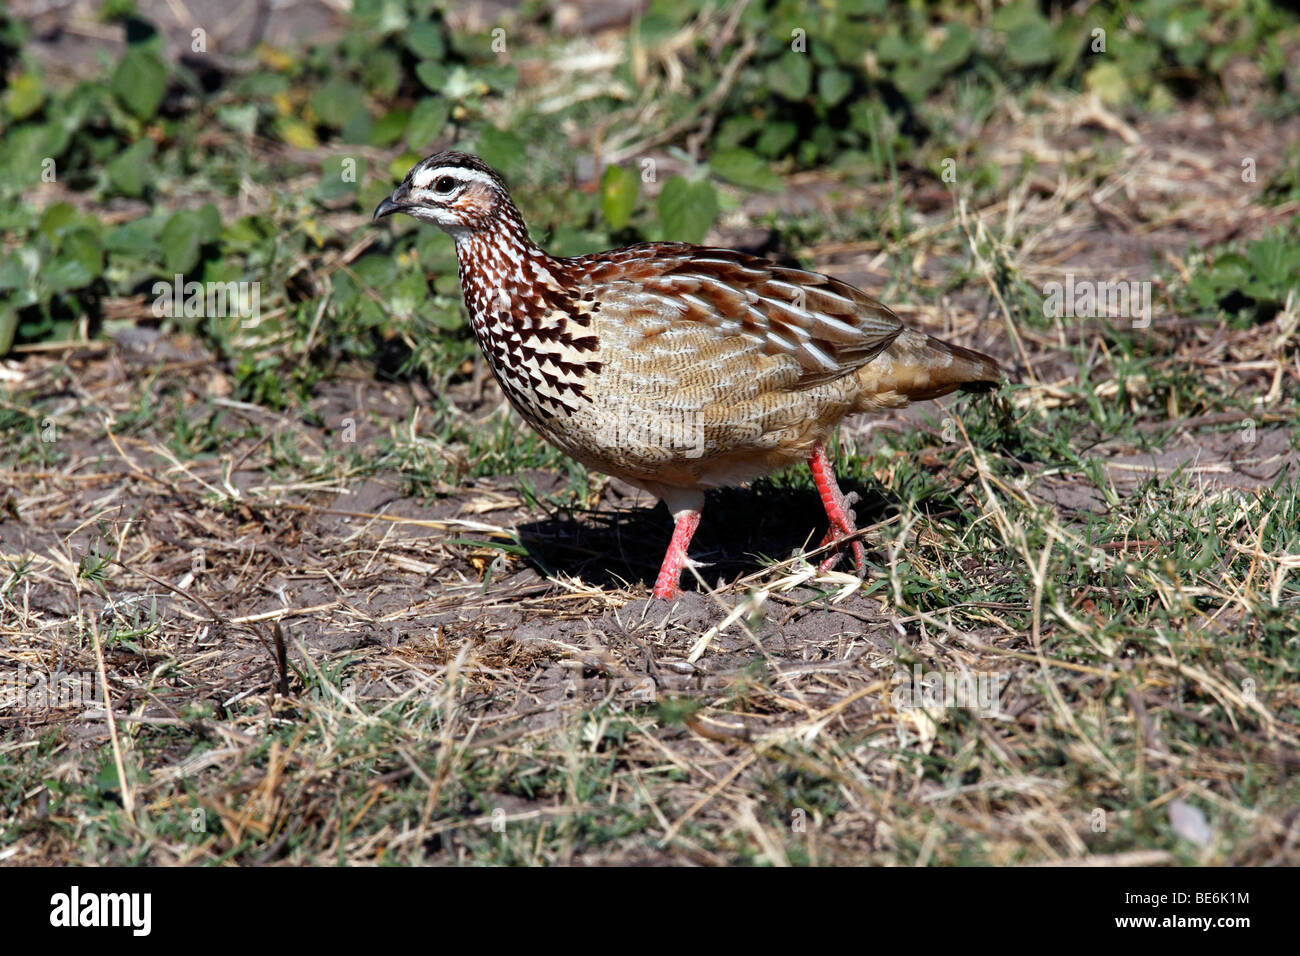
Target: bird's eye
<point x="444" y="185"/>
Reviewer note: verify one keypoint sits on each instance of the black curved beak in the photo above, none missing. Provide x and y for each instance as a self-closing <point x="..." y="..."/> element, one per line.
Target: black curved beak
<point x="394" y="203"/>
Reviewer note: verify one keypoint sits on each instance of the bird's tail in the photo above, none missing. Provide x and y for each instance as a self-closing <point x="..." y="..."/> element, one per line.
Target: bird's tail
<point x="916" y="367"/>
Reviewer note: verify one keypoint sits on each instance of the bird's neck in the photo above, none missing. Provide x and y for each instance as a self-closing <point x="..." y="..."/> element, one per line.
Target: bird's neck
<point x="503" y="226"/>
<point x="499" y="265"/>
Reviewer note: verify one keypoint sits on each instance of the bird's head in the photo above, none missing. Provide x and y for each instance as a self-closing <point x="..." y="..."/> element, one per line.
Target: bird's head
<point x="455" y="191"/>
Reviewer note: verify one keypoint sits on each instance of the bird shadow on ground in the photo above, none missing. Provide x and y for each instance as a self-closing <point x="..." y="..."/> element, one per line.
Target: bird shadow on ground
<point x="742" y="531"/>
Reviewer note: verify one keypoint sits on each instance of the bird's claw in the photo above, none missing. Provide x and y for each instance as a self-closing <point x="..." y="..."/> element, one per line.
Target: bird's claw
<point x="843" y="525"/>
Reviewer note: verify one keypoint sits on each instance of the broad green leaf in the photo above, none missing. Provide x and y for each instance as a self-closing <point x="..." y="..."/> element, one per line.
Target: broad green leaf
<point x="407" y="294"/>
<point x="743" y="168"/>
<point x="339" y="176"/>
<point x="108" y="778"/>
<point x="83" y="246"/>
<point x="180" y="241"/>
<point x="140" y="82"/>
<point x="1006" y="18"/>
<point x="833" y="86"/>
<point x="618" y="192"/>
<point x="915" y="80"/>
<point x="502" y="150"/>
<point x="137" y="237"/>
<point x="424" y="39"/>
<point x="790" y="76"/>
<point x="1108" y="81"/>
<point x="736" y="130"/>
<point x="776" y="138"/>
<point x="382" y="73"/>
<point x="209" y="223"/>
<point x="245" y="231"/>
<point x="432" y="74"/>
<point x="955" y="48"/>
<point x="389" y="128"/>
<point x="357" y="128"/>
<point x="1030" y="43"/>
<point x="129" y="172"/>
<point x="296" y="133"/>
<point x="893" y="48"/>
<point x="687" y="210"/>
<point x="17" y="271"/>
<point x="570" y="241"/>
<point x="335" y="100"/>
<point x="375" y="272"/>
<point x="63" y="273"/>
<point x="1230" y="273"/>
<point x="427" y="122"/>
<point x="56" y="217"/>
<point x="397" y="169"/>
<point x="1273" y="260"/>
<point x="24" y="96"/>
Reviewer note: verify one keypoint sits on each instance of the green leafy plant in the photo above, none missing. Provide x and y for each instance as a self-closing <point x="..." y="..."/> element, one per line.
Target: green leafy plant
<point x="1255" y="282"/>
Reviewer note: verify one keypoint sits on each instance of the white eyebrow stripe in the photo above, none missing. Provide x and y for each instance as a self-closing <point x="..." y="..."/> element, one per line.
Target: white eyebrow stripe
<point x="424" y="177"/>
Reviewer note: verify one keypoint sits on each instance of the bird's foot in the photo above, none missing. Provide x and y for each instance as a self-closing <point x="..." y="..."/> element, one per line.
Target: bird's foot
<point x="839" y="509"/>
<point x="841" y="529"/>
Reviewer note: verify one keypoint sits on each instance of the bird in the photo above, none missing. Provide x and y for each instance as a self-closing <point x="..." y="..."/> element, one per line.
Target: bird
<point x="677" y="367"/>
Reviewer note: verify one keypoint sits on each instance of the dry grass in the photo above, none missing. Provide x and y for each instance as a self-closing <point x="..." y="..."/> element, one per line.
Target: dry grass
<point x="302" y="661"/>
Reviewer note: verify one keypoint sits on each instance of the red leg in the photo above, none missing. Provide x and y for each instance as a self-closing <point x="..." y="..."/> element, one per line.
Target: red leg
<point x="666" y="585"/>
<point x="838" y="508"/>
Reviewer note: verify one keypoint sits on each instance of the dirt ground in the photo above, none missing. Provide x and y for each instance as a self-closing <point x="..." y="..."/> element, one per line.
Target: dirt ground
<point x="246" y="564"/>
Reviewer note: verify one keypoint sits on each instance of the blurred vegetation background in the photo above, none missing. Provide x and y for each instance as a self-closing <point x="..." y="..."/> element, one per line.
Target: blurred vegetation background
<point x="134" y="148"/>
